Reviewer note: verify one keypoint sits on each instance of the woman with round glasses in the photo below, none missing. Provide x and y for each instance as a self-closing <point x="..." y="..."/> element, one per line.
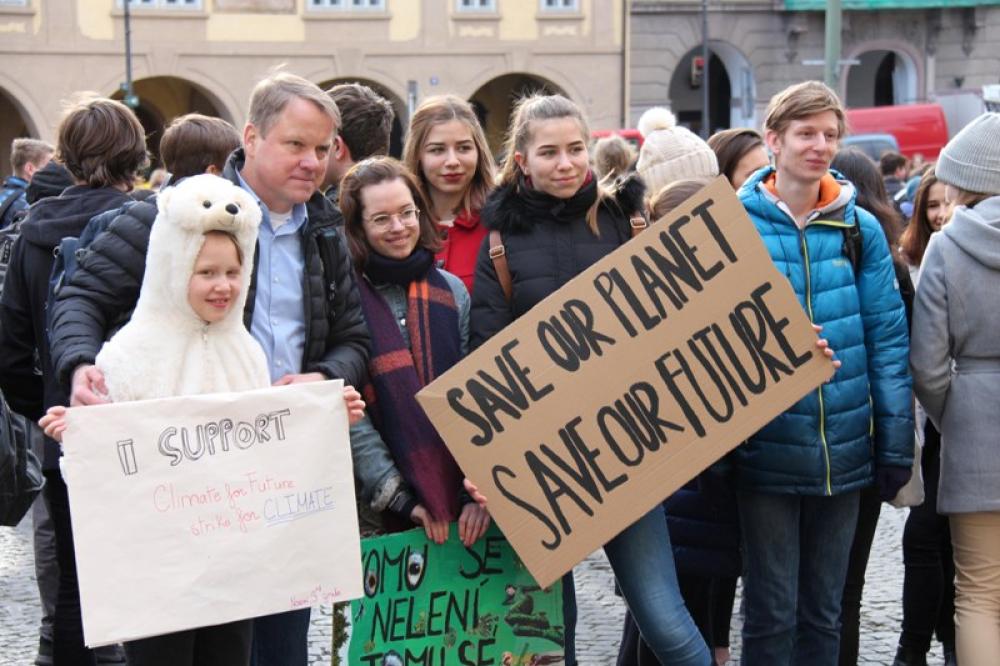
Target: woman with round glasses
<point x="418" y="316"/>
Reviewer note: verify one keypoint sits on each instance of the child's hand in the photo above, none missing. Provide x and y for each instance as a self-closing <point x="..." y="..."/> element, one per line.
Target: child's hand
<point x="472" y="523"/>
<point x="474" y="493"/>
<point x="355" y="405"/>
<point x="437" y="531"/>
<point x="54" y="422"/>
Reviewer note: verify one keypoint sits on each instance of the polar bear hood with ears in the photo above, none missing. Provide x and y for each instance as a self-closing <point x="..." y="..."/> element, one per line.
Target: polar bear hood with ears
<point x="166" y="349"/>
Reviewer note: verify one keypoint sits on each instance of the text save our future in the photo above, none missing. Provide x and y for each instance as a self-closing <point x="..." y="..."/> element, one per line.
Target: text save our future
<point x="627" y="382"/>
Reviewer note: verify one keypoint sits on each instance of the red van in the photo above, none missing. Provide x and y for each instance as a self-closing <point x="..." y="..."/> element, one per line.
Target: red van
<point x="630" y="135"/>
<point x="918" y="128"/>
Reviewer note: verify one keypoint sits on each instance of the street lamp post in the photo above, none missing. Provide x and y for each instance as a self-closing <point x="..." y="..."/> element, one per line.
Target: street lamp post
<point x="831" y="67"/>
<point x="130" y="98"/>
<point x="705" y="129"/>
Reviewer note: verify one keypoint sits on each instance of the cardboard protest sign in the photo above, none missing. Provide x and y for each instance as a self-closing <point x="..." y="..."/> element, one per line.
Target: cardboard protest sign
<point x="195" y="511"/>
<point x="616" y="390"/>
<point x="430" y="604"/>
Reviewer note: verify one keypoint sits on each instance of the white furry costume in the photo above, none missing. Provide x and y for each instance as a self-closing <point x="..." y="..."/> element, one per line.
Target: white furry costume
<point x="166" y="349"/>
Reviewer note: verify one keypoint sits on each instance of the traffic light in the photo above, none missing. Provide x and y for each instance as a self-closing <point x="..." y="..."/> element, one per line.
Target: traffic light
<point x="697" y="71"/>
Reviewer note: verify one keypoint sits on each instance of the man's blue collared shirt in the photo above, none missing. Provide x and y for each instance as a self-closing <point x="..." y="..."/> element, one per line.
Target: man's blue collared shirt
<point x="278" y="317"/>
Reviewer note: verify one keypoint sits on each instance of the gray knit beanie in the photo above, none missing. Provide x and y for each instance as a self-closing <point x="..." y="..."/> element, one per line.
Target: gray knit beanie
<point x="670" y="152"/>
<point x="971" y="160"/>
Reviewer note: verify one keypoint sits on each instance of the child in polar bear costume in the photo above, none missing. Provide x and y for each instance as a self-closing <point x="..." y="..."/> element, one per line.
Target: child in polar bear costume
<point x="187" y="337"/>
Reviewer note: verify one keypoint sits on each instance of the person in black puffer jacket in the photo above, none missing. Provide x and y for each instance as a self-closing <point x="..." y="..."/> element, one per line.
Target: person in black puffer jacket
<point x="556" y="220"/>
<point x="308" y="320"/>
<point x="103" y="146"/>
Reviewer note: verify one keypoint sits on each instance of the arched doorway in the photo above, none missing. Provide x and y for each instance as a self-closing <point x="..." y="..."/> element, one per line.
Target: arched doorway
<point x="731" y="89"/>
<point x="13" y="125"/>
<point x="398" y="122"/>
<point x="163" y="98"/>
<point x="494" y="102"/>
<point x="881" y="78"/>
<point x="686" y="92"/>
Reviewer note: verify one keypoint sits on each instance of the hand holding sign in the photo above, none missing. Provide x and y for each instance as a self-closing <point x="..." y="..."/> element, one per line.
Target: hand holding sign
<point x="619" y="388"/>
<point x="196" y="511"/>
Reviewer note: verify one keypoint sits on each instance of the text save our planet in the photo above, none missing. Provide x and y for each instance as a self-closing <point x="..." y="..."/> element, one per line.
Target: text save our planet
<point x="627" y="382"/>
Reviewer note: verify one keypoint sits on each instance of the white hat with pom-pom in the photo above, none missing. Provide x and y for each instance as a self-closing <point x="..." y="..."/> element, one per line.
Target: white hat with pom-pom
<point x="670" y="152"/>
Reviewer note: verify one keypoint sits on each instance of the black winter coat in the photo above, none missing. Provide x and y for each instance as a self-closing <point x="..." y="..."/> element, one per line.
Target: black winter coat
<point x="547" y="243"/>
<point x="704" y="529"/>
<point x="108" y="277"/>
<point x="26" y="289"/>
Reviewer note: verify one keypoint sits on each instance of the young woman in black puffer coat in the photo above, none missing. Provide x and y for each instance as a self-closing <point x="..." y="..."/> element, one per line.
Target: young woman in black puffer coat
<point x="556" y="220"/>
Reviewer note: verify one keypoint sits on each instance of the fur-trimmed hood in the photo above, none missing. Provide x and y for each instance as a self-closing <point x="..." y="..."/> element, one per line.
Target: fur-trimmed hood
<point x="166" y="349"/>
<point x="514" y="208"/>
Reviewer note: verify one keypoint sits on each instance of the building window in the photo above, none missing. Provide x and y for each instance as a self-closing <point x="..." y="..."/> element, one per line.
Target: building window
<point x="560" y="5"/>
<point x="13" y="3"/>
<point x="162" y="4"/>
<point x="347" y="5"/>
<point x="475" y="5"/>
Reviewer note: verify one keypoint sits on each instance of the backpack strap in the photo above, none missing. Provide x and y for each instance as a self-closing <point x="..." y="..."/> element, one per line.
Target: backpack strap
<point x="9" y="199"/>
<point x="499" y="257"/>
<point x="638" y="223"/>
<point x="853" y="245"/>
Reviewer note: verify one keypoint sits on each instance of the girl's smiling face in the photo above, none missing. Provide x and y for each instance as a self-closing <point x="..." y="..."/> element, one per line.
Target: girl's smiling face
<point x="217" y="277"/>
<point x="390" y="219"/>
<point x="556" y="157"/>
<point x="937" y="208"/>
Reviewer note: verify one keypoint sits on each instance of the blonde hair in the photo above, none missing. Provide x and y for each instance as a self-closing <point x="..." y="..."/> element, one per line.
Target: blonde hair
<point x="801" y="101"/>
<point x="436" y="111"/>
<point x="273" y="93"/>
<point x="613" y="157"/>
<point x="538" y="107"/>
<point x="29" y="151"/>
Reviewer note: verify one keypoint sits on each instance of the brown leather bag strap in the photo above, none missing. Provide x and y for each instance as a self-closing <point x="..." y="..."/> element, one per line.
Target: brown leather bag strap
<point x="499" y="256"/>
<point x="638" y="223"/>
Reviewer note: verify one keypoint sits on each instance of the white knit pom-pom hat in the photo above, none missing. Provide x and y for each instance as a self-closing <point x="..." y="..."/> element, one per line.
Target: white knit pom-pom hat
<point x="670" y="153"/>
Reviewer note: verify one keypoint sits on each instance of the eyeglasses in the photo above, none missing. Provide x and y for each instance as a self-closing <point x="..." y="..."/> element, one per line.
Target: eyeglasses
<point x="407" y="218"/>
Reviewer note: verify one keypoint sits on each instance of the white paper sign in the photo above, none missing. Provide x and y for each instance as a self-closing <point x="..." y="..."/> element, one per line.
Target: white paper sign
<point x="195" y="511"/>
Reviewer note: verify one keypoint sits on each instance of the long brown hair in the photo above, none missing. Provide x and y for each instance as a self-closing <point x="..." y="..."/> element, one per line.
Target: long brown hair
<point x="369" y="172"/>
<point x="436" y="111"/>
<point x="913" y="242"/>
<point x="862" y="171"/>
<point x="519" y="135"/>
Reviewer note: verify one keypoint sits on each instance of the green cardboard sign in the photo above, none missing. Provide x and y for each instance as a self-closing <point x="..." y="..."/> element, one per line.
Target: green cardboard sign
<point x="442" y="605"/>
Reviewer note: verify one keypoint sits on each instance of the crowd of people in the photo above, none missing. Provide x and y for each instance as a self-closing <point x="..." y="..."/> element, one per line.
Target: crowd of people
<point x="385" y="273"/>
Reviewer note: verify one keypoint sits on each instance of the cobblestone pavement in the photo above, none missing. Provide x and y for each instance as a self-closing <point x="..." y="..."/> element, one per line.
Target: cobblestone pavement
<point x="600" y="610"/>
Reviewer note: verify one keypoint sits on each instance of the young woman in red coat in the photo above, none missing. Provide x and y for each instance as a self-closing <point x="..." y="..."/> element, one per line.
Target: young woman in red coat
<point x="447" y="150"/>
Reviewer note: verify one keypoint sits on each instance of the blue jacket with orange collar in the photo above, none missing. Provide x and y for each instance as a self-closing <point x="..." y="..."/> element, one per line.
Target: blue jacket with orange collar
<point x="830" y="441"/>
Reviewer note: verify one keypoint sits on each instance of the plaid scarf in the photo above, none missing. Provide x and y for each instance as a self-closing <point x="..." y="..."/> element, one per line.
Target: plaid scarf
<point x="397" y="373"/>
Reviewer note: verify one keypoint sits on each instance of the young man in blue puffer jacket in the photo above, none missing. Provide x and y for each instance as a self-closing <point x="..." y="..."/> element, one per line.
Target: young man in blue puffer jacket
<point x="799" y="477"/>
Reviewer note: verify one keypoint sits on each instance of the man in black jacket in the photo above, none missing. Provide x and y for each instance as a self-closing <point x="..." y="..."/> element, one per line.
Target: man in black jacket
<point x="103" y="146"/>
<point x="303" y="305"/>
